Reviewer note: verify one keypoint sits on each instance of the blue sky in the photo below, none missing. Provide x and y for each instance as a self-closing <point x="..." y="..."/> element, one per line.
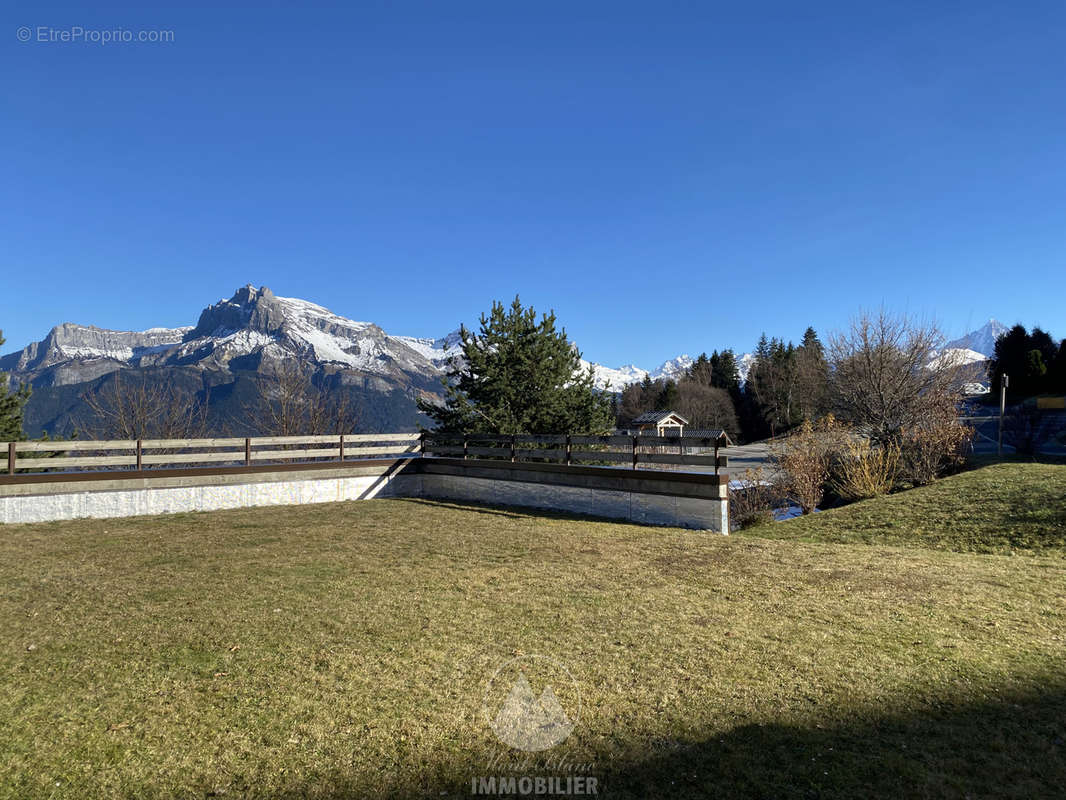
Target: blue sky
<point x="669" y="177"/>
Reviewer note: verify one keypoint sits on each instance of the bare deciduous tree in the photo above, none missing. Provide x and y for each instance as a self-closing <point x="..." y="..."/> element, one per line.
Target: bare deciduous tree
<point x="707" y="407"/>
<point x="289" y="403"/>
<point x="144" y="408"/>
<point x="884" y="379"/>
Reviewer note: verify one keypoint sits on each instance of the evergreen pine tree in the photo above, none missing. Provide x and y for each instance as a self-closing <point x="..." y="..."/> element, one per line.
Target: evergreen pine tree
<point x="668" y="397"/>
<point x="727" y="374"/>
<point x="701" y="370"/>
<point x="518" y="375"/>
<point x="11" y="405"/>
<point x="812" y="377"/>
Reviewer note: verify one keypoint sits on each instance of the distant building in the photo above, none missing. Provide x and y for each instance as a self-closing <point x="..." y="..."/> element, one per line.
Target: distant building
<point x="659" y="423"/>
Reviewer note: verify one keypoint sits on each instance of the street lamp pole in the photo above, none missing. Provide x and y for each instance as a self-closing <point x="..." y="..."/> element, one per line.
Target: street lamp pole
<point x="1004" y="381"/>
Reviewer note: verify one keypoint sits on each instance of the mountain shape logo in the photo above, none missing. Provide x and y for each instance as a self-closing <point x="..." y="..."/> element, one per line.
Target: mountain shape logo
<point x="529" y="723"/>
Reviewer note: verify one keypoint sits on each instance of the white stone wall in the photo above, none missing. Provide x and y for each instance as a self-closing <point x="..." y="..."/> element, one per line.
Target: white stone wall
<point x="164" y="500"/>
<point x="648" y="509"/>
<point x="55" y="502"/>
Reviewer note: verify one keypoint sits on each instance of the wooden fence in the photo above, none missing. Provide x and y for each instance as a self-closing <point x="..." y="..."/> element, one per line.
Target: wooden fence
<point x="123" y="455"/>
<point x="627" y="451"/>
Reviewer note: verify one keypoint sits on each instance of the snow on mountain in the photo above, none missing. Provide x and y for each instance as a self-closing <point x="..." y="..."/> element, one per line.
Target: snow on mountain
<point x="982" y="340"/>
<point x="673" y="368"/>
<point x="615" y="379"/>
<point x="744" y="366"/>
<point x="955" y="357"/>
<point x="255" y="326"/>
<point x="618" y="379"/>
<point x="436" y="351"/>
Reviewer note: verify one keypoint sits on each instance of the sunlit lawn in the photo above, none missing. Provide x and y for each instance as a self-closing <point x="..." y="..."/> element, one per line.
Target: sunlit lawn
<point x="345" y="650"/>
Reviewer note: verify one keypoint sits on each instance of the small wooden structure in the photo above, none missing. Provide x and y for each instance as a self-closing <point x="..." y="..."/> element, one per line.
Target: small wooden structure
<point x="659" y="423"/>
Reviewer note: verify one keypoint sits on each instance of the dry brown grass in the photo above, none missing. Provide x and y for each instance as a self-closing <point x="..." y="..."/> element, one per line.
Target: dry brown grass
<point x="343" y="651"/>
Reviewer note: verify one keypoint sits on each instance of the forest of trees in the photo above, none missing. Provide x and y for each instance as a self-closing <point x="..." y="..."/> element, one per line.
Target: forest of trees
<point x="785" y="384"/>
<point x="1034" y="362"/>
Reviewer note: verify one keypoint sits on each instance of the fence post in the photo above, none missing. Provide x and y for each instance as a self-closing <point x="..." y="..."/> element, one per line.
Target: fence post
<point x="247" y="452"/>
<point x="422" y="444"/>
<point x="514" y="448"/>
<point x="569" y="449"/>
<point x="466" y="448"/>
<point x="140" y="463"/>
<point x="634" y="452"/>
<point x="10" y="458"/>
<point x="342" y="447"/>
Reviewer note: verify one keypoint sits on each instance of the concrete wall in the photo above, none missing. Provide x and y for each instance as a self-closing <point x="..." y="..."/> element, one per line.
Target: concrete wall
<point x="684" y="500"/>
<point x="647" y="497"/>
<point x="44" y="502"/>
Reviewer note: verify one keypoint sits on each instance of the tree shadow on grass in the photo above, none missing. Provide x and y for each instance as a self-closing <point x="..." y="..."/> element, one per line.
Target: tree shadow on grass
<point x="1014" y="747"/>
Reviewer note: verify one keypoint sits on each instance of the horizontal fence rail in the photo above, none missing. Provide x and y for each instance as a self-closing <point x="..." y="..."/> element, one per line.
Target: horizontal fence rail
<point x="123" y="455"/>
<point x="611" y="450"/>
<point x="118" y="456"/>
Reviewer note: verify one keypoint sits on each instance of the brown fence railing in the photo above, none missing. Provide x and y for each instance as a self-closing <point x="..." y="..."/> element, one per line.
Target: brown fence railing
<point x="117" y="456"/>
<point x="123" y="455"/>
<point x="627" y="451"/>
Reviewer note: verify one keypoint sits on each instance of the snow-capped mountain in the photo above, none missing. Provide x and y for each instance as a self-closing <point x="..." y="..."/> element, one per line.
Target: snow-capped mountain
<point x="956" y="357"/>
<point x="253" y="329"/>
<point x="242" y="333"/>
<point x="744" y="366"/>
<point x="617" y="379"/>
<point x="982" y="340"/>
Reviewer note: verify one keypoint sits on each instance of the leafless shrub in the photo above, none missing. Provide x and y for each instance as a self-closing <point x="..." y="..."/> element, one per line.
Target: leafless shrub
<point x="1028" y="430"/>
<point x="864" y="468"/>
<point x="805" y="459"/>
<point x="752" y="500"/>
<point x="936" y="444"/>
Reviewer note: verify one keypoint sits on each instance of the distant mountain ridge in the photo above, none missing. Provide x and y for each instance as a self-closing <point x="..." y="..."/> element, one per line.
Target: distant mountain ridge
<point x="244" y="334"/>
<point x="982" y="340"/>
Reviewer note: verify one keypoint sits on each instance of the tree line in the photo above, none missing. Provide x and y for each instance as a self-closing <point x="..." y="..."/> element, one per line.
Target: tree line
<point x="1034" y="362"/>
<point x="785" y="384"/>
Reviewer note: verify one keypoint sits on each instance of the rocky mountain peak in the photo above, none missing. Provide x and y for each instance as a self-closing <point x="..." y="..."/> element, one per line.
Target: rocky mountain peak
<point x="982" y="340"/>
<point x="249" y="309"/>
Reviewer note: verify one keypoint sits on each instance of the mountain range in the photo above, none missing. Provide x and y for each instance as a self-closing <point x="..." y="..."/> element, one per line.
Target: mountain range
<point x="236" y="339"/>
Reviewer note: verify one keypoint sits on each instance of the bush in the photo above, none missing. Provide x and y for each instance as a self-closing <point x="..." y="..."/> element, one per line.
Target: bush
<point x="863" y="469"/>
<point x="805" y="458"/>
<point x="937" y="445"/>
<point x="752" y="500"/>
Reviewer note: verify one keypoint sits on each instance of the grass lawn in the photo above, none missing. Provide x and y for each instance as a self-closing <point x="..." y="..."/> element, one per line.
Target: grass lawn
<point x="1012" y="508"/>
<point x="347" y="650"/>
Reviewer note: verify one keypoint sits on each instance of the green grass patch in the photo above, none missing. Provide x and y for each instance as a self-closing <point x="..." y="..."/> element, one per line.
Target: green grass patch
<point x="1009" y="509"/>
<point x="345" y="650"/>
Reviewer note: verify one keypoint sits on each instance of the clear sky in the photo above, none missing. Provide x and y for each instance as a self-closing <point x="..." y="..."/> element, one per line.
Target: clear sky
<point x="670" y="177"/>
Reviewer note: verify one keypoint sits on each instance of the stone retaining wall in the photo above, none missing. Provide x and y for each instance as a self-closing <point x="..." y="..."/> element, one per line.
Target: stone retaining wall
<point x="649" y="497"/>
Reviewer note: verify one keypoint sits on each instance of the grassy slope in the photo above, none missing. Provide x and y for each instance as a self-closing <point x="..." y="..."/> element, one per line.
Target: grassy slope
<point x="1003" y="508"/>
<point x="344" y="650"/>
